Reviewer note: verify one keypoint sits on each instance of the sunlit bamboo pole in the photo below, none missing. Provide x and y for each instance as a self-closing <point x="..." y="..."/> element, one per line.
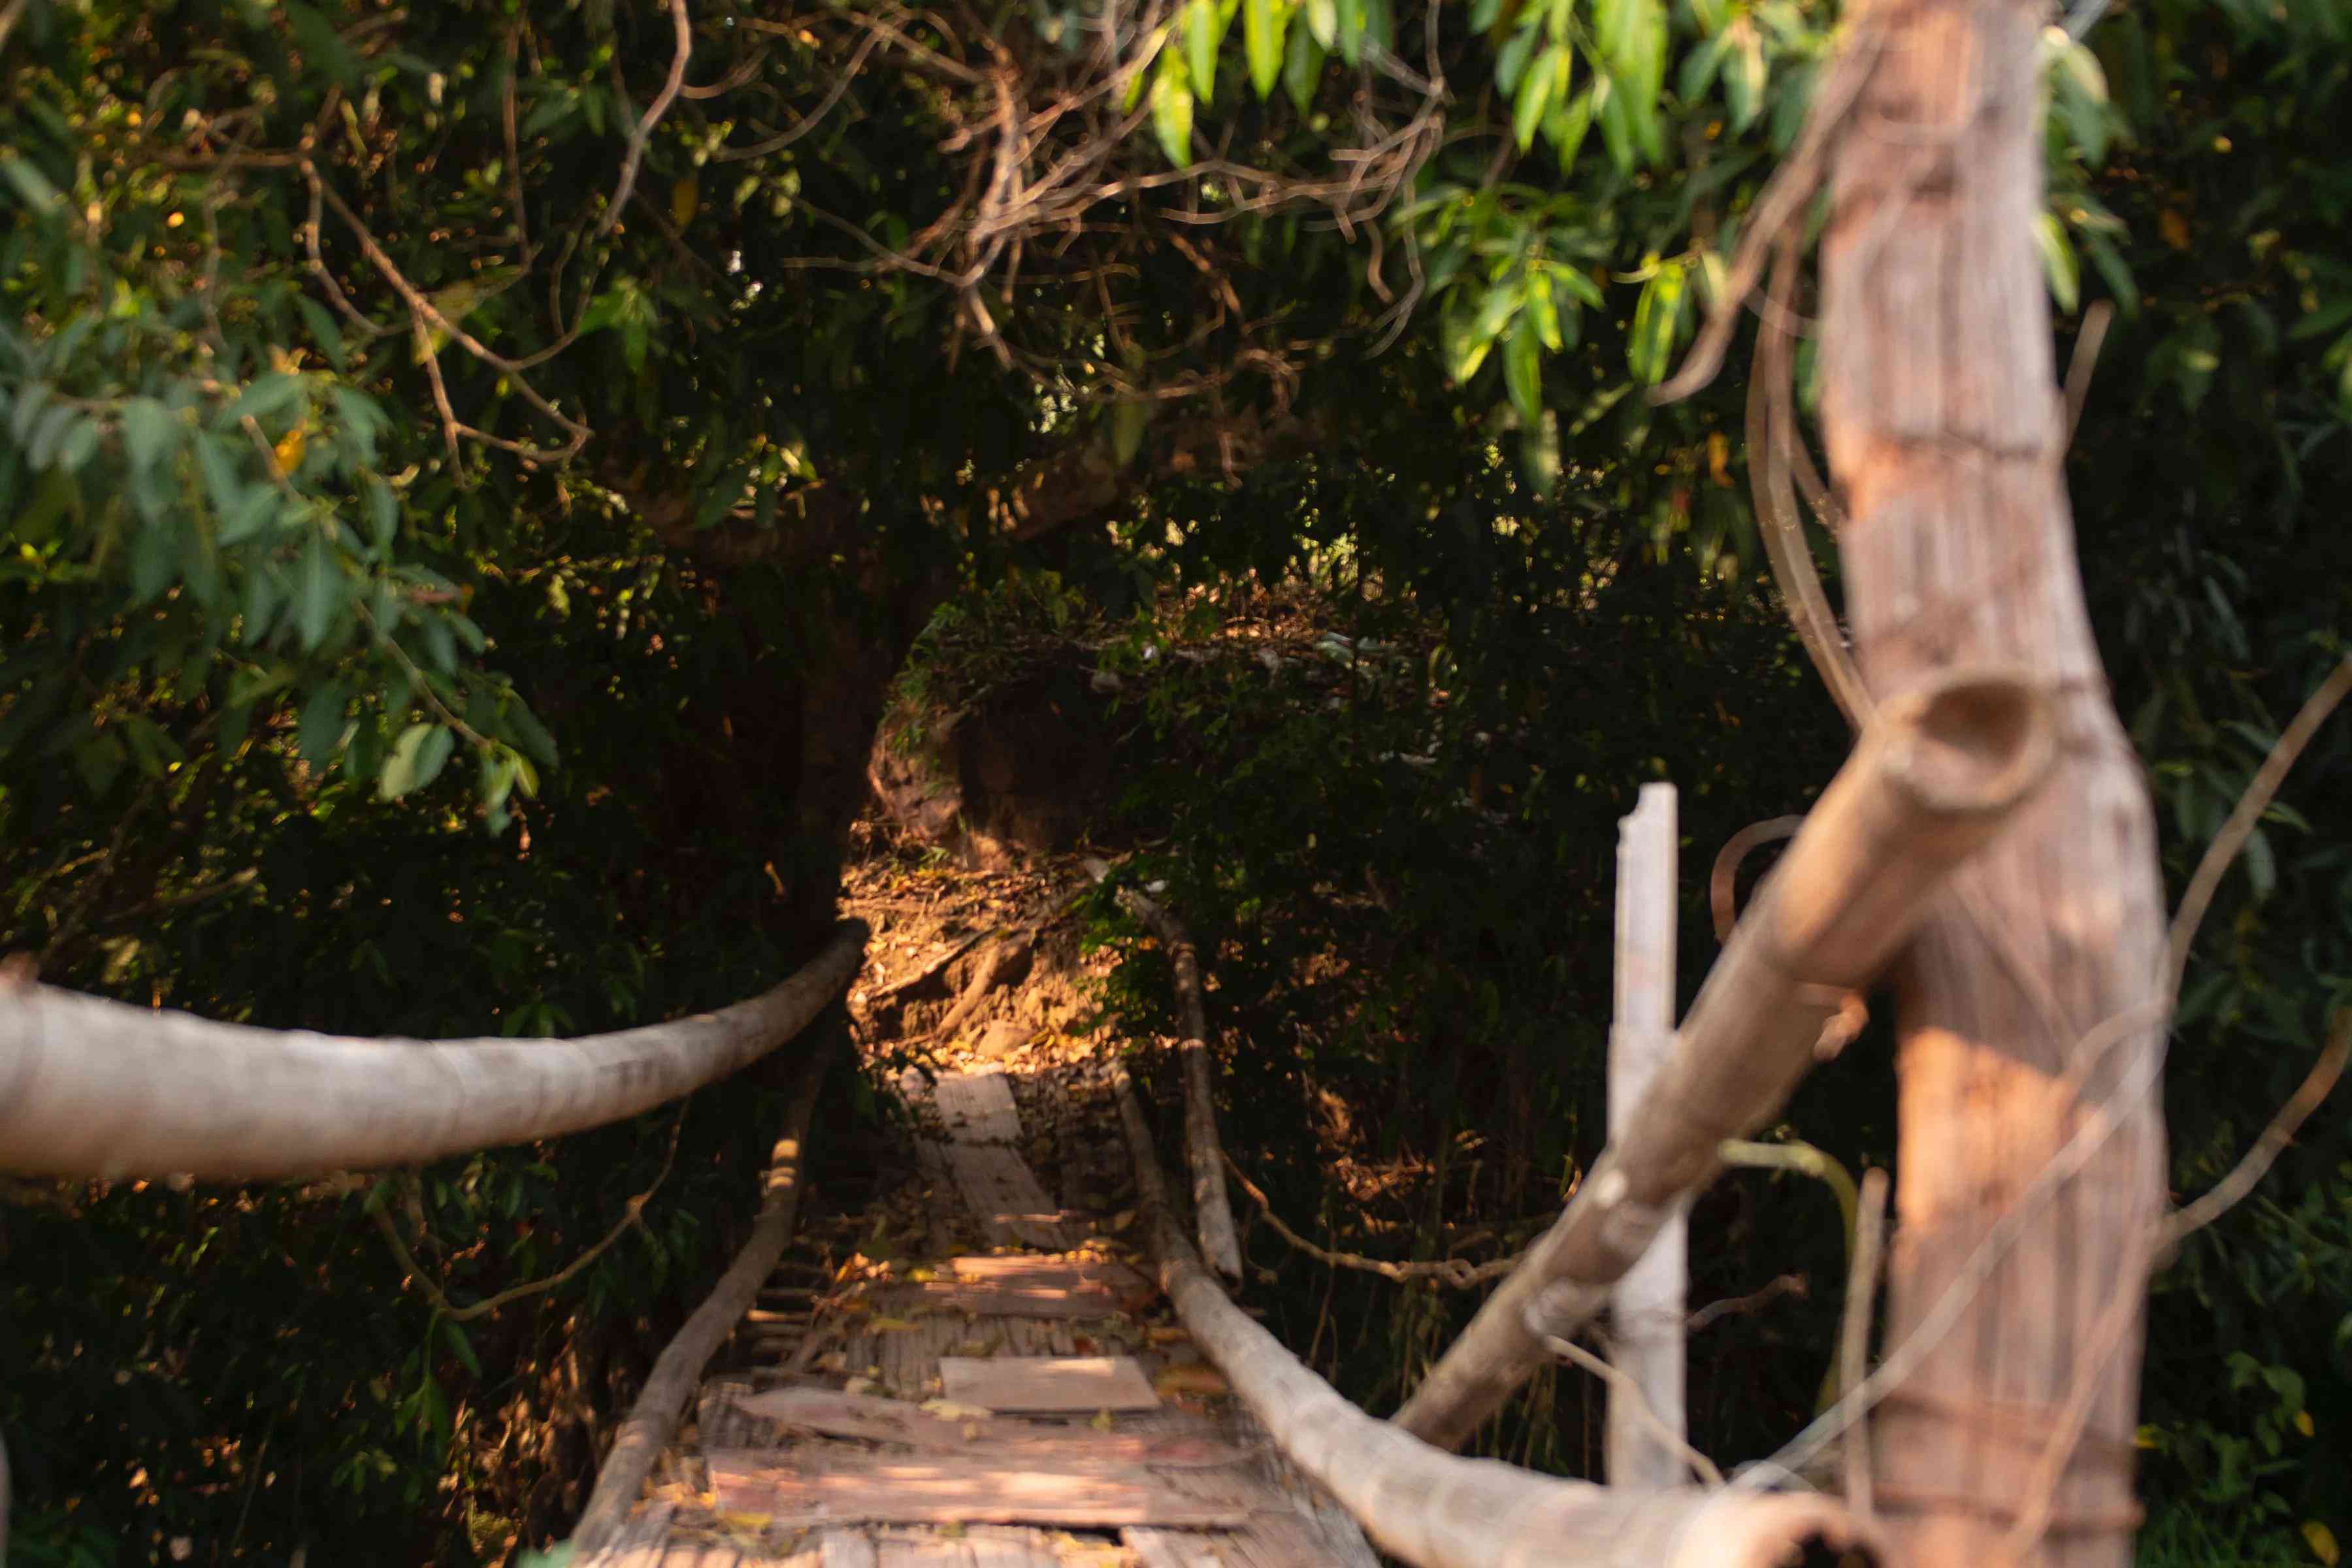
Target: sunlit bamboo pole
<point x="1935" y="776"/>
<point x="1645" y="1310"/>
<point x="1437" y="1510"/>
<point x="679" y="1370"/>
<point x="93" y="1087"/>
<point x="1204" y="1154"/>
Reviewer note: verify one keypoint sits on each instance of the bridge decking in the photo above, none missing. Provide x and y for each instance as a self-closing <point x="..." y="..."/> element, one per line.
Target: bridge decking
<point x="995" y="1388"/>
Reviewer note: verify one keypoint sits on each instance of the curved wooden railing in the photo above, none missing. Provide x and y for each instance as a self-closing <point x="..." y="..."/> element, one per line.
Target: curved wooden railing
<point x="98" y="1089"/>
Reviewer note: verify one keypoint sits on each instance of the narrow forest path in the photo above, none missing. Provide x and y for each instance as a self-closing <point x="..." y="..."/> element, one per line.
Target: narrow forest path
<point x="971" y="1371"/>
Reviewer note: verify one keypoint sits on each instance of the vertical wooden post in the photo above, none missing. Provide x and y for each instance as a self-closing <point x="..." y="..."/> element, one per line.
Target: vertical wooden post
<point x="2029" y="1007"/>
<point x="1647" y="1305"/>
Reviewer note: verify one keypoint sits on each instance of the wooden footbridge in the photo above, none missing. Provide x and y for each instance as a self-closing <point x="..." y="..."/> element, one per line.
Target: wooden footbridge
<point x="1038" y="1381"/>
<point x="1016" y="1398"/>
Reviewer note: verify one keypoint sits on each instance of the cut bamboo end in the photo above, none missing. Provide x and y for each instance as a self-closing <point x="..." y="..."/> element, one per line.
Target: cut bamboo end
<point x="1737" y="1529"/>
<point x="1972" y="742"/>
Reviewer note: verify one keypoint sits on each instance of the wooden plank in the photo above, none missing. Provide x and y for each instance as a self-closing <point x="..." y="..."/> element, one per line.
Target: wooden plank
<point x="1174" y="1549"/>
<point x="829" y="1487"/>
<point x="983" y="1152"/>
<point x="1043" y="1383"/>
<point x="834" y="1414"/>
<point x="846" y="1549"/>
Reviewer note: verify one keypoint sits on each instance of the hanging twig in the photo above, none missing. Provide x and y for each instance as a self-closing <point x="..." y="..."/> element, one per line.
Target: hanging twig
<point x="1629" y="1387"/>
<point x="633" y="1214"/>
<point x="1458" y="1272"/>
<point x="1853" y="1332"/>
<point x="2231" y="1189"/>
<point x="2249" y="810"/>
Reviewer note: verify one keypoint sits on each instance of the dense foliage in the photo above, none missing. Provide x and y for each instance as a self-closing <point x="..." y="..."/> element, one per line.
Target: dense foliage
<point x="467" y="473"/>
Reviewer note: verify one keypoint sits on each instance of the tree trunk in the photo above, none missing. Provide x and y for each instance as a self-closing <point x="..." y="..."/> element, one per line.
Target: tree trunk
<point x="2029" y="1005"/>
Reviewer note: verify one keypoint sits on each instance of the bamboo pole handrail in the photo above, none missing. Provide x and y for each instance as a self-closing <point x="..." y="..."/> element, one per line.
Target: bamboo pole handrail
<point x="1213" y="1212"/>
<point x="98" y="1089"/>
<point x="678" y="1370"/>
<point x="1937" y="773"/>
<point x="1437" y="1510"/>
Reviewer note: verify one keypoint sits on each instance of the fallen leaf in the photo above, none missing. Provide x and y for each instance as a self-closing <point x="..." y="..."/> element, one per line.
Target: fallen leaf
<point x="1101" y="1423"/>
<point x="857" y="1386"/>
<point x="951" y="1410"/>
<point x="1190" y="1377"/>
<point x="890" y="1326"/>
<point x="1167" y="1334"/>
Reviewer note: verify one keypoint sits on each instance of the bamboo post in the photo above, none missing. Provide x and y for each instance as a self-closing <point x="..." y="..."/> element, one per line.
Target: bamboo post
<point x="1935" y="776"/>
<point x="1435" y="1510"/>
<point x="660" y="1403"/>
<point x="1647" y="1307"/>
<point x="93" y="1087"/>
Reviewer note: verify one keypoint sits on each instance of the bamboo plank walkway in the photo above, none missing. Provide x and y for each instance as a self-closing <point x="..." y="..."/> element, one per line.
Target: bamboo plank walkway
<point x="1018" y="1400"/>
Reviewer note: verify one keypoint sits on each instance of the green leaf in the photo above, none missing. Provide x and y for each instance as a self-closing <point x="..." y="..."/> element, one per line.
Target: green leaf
<point x="383" y="515"/>
<point x="1302" y="68"/>
<point x="415" y="758"/>
<point x="99" y="759"/>
<point x="155" y="561"/>
<point x="322" y="726"/>
<point x="1141" y="81"/>
<point x="2121" y="286"/>
<point x="1656" y="316"/>
<point x="1351" y="31"/>
<point x="2058" y="261"/>
<point x="323" y="331"/>
<point x="1511" y="61"/>
<point x="1543" y="310"/>
<point x="461" y="1344"/>
<point x="78" y="444"/>
<point x="1203" y="33"/>
<point x="1503" y="300"/>
<point x="1171" y="109"/>
<point x="1700" y="66"/>
<point x="149" y="433"/>
<point x="264" y="397"/>
<point x="1539" y="454"/>
<point x="1537" y="93"/>
<point x="2262" y="865"/>
<point x="1616" y="123"/>
<point x="1127" y="422"/>
<point x="1743" y="75"/>
<point x="1323" y="21"/>
<point x="1566" y="126"/>
<point x="1523" y="369"/>
<point x="1466" y="347"/>
<point x="1576" y="283"/>
<point x="317" y="592"/>
<point x="33" y="188"/>
<point x="1262" y="26"/>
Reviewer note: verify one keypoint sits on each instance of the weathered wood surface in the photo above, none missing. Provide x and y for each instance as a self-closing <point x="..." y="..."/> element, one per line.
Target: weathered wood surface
<point x="884" y="1420"/>
<point x="786" y="1466"/>
<point x="1042" y="1384"/>
<point x="1646" y="1418"/>
<point x="1935" y="776"/>
<point x="981" y="1151"/>
<point x="1438" y="1511"/>
<point x="2029" y="1010"/>
<point x="92" y="1088"/>
<point x="655" y="1416"/>
<point x="798" y="1490"/>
